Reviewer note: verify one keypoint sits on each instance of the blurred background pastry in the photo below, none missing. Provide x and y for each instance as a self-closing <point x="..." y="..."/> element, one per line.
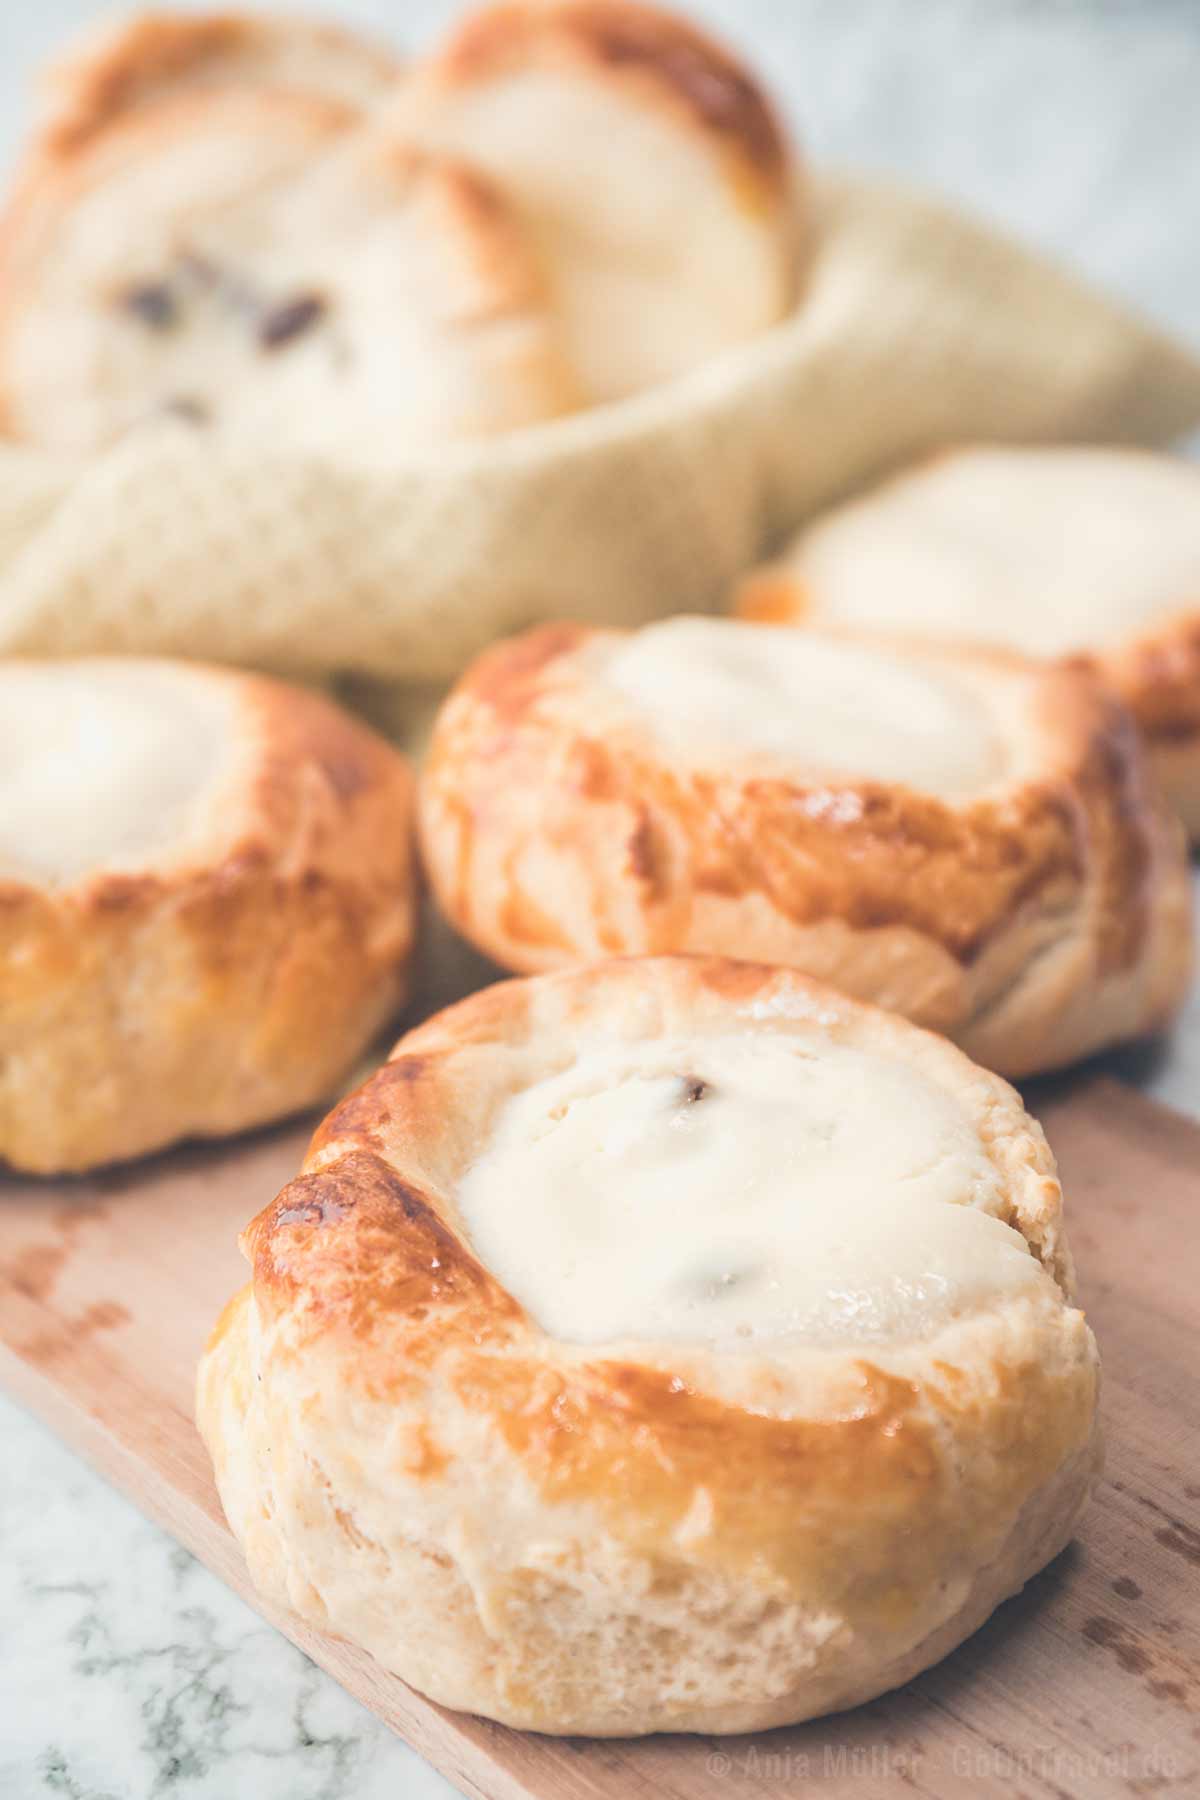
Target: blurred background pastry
<point x="654" y="177"/>
<point x="229" y="244"/>
<point x="124" y="63"/>
<point x="1092" y="553"/>
<point x="340" y="362"/>
<point x="191" y="231"/>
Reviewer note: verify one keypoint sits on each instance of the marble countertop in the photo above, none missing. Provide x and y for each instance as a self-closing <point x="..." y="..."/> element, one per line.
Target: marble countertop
<point x="127" y="1672"/>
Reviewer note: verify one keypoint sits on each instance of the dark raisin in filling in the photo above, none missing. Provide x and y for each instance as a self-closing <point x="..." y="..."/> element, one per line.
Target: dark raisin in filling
<point x="153" y="303"/>
<point x="183" y="406"/>
<point x="280" y="324"/>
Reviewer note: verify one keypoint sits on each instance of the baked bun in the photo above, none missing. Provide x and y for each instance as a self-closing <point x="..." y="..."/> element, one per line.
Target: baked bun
<point x="147" y="57"/>
<point x="645" y="160"/>
<point x="256" y="257"/>
<point x="960" y="835"/>
<point x="667" y="1345"/>
<point x="206" y="904"/>
<point x="1092" y="553"/>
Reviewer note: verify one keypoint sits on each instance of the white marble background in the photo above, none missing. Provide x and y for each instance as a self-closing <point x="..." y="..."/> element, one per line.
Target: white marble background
<point x="127" y="1672"/>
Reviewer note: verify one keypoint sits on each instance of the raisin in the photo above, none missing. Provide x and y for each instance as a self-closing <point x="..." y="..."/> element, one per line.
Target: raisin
<point x="282" y="323"/>
<point x="183" y="406"/>
<point x="153" y="303"/>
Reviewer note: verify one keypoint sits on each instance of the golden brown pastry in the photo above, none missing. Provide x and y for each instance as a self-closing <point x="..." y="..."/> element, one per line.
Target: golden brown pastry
<point x="667" y="1345"/>
<point x="218" y="231"/>
<point x="206" y="904"/>
<point x="964" y="836"/>
<point x="1088" y="553"/>
<point x="645" y="160"/>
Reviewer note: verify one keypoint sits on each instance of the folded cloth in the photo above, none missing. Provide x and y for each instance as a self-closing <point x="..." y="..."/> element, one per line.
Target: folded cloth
<point x="917" y="328"/>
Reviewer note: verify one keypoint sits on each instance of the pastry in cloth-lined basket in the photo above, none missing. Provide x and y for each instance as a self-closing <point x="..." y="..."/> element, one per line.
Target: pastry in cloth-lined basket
<point x="1092" y="553"/>
<point x="664" y="1345"/>
<point x="150" y="56"/>
<point x="206" y="904"/>
<point x="914" y="327"/>
<point x="647" y="163"/>
<point x="967" y="837"/>
<point x="254" y="255"/>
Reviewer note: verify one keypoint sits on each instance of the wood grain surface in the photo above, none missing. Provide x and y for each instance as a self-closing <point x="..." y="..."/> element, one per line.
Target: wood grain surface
<point x="1087" y="1685"/>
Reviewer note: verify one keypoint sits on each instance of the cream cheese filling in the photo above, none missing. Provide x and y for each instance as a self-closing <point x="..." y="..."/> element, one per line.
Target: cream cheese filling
<point x="827" y="707"/>
<point x="741" y="1187"/>
<point x="1046" y="551"/>
<point x="106" y="765"/>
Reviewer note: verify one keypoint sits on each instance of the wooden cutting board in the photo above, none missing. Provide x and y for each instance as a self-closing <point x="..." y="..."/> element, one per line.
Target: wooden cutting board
<point x="1084" y="1686"/>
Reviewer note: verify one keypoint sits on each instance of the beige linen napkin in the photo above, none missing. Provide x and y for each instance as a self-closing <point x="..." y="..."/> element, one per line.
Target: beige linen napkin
<point x="918" y="327"/>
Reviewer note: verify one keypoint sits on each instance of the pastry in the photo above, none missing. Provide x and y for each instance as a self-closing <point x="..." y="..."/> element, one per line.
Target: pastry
<point x="206" y="904"/>
<point x="667" y="1345"/>
<point x="645" y="160"/>
<point x="961" y="835"/>
<point x="1091" y="553"/>
<point x="147" y="57"/>
<point x="263" y="257"/>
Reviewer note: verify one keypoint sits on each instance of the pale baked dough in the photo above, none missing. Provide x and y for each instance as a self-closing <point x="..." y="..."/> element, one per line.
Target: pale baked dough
<point x="245" y="248"/>
<point x="1088" y="553"/>
<point x="647" y="163"/>
<point x="666" y="1345"/>
<point x="964" y="836"/>
<point x="206" y="904"/>
<point x="139" y="60"/>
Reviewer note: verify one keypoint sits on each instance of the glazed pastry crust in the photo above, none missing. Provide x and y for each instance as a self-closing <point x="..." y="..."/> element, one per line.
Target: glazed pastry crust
<point x="627" y="1537"/>
<point x="230" y="980"/>
<point x="1035" y="922"/>
<point x="1157" y="675"/>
